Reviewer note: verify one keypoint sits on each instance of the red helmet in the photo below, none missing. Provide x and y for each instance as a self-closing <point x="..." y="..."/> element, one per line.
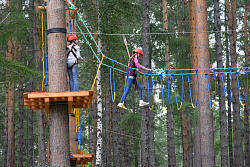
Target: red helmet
<point x="71" y="37"/>
<point x="137" y="50"/>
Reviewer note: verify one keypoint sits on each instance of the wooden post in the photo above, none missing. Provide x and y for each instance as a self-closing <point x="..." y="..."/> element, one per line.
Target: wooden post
<point x="57" y="81"/>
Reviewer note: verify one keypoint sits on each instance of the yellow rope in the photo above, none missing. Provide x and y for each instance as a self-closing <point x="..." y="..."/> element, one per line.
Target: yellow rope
<point x="152" y="107"/>
<point x="242" y="104"/>
<point x="43" y="52"/>
<point x="193" y="106"/>
<point x="180" y="106"/>
<point x="213" y="105"/>
<point x="100" y="63"/>
<point x="114" y="97"/>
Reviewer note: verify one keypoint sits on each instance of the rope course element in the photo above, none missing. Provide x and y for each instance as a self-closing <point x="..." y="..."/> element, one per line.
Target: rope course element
<point x="175" y="90"/>
<point x="224" y="88"/>
<point x="194" y="106"/>
<point x="113" y="97"/>
<point x="151" y="108"/>
<point x="243" y="104"/>
<point x="209" y="89"/>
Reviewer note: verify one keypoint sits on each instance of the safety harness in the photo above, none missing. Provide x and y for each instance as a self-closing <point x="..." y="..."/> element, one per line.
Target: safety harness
<point x="73" y="51"/>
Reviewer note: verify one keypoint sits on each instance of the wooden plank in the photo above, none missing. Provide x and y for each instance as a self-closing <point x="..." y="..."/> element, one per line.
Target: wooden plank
<point x="46" y="105"/>
<point x="73" y="13"/>
<point x="63" y="94"/>
<point x="70" y="102"/>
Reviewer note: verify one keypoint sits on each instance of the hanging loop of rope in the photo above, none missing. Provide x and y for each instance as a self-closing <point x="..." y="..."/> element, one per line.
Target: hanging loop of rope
<point x="229" y="104"/>
<point x="149" y="90"/>
<point x="224" y="88"/>
<point x="211" y="107"/>
<point x="168" y="88"/>
<point x="110" y="71"/>
<point x="242" y="104"/>
<point x="113" y="61"/>
<point x="162" y="91"/>
<point x="172" y="75"/>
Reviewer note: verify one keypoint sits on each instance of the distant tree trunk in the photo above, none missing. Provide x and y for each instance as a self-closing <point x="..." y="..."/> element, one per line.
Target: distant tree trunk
<point x="145" y="115"/>
<point x="99" y="116"/>
<point x="94" y="101"/>
<point x="11" y="128"/>
<point x="227" y="24"/>
<point x="30" y="135"/>
<point x="117" y="161"/>
<point x="206" y="114"/>
<point x="20" y="149"/>
<point x="237" y="139"/>
<point x="223" y="116"/>
<point x="170" y="123"/>
<point x="246" y="114"/>
<point x="107" y="125"/>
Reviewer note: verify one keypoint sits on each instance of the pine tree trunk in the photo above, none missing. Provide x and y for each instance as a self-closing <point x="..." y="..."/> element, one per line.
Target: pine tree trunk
<point x="58" y="113"/>
<point x="11" y="128"/>
<point x="107" y="126"/>
<point x="227" y="24"/>
<point x="194" y="61"/>
<point x="115" y="137"/>
<point x="20" y="148"/>
<point x="223" y="116"/>
<point x="206" y="114"/>
<point x="246" y="114"/>
<point x="237" y="139"/>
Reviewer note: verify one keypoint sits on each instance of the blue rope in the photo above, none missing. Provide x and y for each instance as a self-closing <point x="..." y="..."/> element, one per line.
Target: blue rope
<point x="168" y="87"/>
<point x="175" y="90"/>
<point x="190" y="91"/>
<point x="162" y="90"/>
<point x="208" y="90"/>
<point x="239" y="87"/>
<point x="111" y="83"/>
<point x="229" y="105"/>
<point x="210" y="101"/>
<point x="114" y="77"/>
<point x="223" y="86"/>
<point x="152" y="90"/>
<point x="70" y="26"/>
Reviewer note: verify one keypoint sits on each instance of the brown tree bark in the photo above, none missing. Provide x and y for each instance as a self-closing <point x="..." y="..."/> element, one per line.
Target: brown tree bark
<point x="205" y="113"/>
<point x="194" y="65"/>
<point x="246" y="112"/>
<point x="223" y="116"/>
<point x="58" y="114"/>
<point x="20" y="148"/>
<point x="237" y="136"/>
<point x="145" y="116"/>
<point x="227" y="25"/>
<point x="170" y="123"/>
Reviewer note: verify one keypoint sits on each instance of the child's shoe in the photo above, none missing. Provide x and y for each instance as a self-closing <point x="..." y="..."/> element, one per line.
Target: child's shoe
<point x="143" y="103"/>
<point x="120" y="105"/>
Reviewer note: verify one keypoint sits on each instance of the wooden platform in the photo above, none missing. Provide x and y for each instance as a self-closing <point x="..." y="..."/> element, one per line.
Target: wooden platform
<point x="81" y="159"/>
<point x="42" y="100"/>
